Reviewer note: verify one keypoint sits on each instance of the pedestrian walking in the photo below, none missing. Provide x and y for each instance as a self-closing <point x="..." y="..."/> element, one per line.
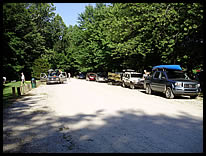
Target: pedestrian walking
<point x="22" y="78"/>
<point x="69" y="76"/>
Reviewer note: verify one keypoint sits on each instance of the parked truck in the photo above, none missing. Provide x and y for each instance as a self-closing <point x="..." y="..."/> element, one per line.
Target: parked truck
<point x="172" y="81"/>
<point x="132" y="80"/>
<point x="126" y="78"/>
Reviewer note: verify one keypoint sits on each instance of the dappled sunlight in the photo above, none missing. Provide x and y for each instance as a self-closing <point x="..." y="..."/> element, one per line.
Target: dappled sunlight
<point x="102" y="126"/>
<point x="126" y="127"/>
<point x="127" y="131"/>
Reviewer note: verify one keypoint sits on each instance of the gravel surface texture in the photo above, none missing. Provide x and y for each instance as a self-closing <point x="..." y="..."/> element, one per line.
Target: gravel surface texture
<point x="88" y="117"/>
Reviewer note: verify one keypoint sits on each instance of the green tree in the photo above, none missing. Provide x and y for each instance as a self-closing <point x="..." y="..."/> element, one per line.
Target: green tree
<point x="107" y="38"/>
<point x="40" y="65"/>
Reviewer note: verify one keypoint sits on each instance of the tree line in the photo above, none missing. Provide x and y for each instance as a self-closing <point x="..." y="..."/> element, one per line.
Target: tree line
<point x="107" y="38"/>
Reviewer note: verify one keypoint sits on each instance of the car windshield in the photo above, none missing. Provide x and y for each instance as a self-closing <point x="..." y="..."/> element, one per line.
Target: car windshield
<point x="136" y="75"/>
<point x="101" y="74"/>
<point x="176" y="74"/>
<point x="52" y="74"/>
<point x="91" y="74"/>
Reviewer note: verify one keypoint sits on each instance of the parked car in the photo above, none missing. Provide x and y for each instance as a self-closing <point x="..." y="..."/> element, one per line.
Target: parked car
<point x="81" y="76"/>
<point x="132" y="80"/>
<point x="101" y="77"/>
<point x="54" y="76"/>
<point x="91" y="76"/>
<point x="172" y="81"/>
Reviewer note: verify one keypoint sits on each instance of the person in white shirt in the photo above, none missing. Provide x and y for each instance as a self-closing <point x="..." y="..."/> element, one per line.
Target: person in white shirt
<point x="4" y="79"/>
<point x="22" y="78"/>
<point x="69" y="76"/>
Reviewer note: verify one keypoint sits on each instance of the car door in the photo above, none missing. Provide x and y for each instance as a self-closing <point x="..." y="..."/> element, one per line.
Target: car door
<point x="155" y="81"/>
<point x="126" y="79"/>
<point x="64" y="76"/>
<point x="43" y="77"/>
<point x="162" y="82"/>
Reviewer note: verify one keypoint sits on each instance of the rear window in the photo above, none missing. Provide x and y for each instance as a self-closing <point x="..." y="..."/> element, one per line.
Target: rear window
<point x="176" y="74"/>
<point x="92" y="75"/>
<point x="64" y="74"/>
<point x="101" y="74"/>
<point x="53" y="74"/>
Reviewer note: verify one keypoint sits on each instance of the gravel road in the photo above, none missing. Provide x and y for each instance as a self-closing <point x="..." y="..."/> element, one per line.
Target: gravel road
<point x="89" y="117"/>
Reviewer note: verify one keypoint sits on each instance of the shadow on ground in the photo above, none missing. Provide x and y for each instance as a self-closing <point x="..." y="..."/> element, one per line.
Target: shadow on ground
<point x="40" y="131"/>
<point x="163" y="95"/>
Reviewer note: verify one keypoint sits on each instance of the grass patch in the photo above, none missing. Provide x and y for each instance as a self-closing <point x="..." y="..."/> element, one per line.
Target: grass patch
<point x="8" y="98"/>
<point x="201" y="94"/>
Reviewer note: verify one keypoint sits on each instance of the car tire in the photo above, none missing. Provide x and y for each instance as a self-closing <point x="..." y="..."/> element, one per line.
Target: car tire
<point x="148" y="89"/>
<point x="169" y="94"/>
<point x="132" y="86"/>
<point x="193" y="97"/>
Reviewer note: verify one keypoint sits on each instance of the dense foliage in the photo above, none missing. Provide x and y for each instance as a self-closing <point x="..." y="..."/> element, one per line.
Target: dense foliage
<point x="107" y="38"/>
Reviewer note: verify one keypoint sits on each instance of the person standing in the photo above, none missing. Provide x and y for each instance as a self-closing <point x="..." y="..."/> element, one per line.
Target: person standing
<point x="4" y="80"/>
<point x="22" y="78"/>
<point x="145" y="74"/>
<point x="69" y="76"/>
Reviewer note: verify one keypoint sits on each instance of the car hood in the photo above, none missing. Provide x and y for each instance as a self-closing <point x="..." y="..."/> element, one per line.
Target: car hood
<point x="135" y="79"/>
<point x="183" y="80"/>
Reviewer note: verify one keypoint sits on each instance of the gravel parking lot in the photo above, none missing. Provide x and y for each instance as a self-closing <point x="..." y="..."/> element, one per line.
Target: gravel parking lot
<point x="83" y="116"/>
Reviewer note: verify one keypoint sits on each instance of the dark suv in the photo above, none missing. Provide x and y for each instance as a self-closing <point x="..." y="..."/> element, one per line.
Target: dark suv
<point x="172" y="83"/>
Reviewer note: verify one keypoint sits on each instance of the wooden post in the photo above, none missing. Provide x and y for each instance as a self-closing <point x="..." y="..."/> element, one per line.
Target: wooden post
<point x="13" y="91"/>
<point x="19" y="91"/>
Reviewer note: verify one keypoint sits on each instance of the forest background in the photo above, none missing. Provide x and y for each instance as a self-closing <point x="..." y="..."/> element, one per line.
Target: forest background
<point x="107" y="38"/>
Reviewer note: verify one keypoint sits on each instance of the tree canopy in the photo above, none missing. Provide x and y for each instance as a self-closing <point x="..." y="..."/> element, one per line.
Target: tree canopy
<point x="107" y="37"/>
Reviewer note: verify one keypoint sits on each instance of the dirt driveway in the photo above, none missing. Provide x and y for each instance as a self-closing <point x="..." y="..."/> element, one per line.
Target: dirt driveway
<point x="83" y="116"/>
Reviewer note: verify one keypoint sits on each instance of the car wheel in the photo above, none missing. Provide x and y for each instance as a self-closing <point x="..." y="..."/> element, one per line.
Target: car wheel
<point x="193" y="97"/>
<point x="148" y="89"/>
<point x="169" y="94"/>
<point x="132" y="86"/>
